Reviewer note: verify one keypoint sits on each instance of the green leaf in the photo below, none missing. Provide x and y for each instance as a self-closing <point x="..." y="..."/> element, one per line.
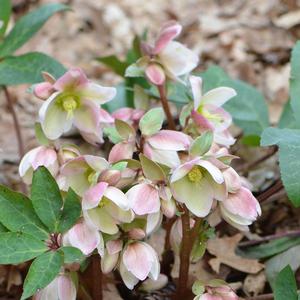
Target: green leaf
<point x="152" y="121"/>
<point x="269" y="249"/>
<point x="277" y="263"/>
<point x="19" y="247"/>
<point x="18" y="215"/>
<point x="72" y="255"/>
<point x="285" y="285"/>
<point x="151" y="169"/>
<point x="114" y="63"/>
<point x="202" y="143"/>
<point x="41" y="272"/>
<point x="251" y="140"/>
<point x="5" y="12"/>
<point x="134" y="53"/>
<point x="287" y="118"/>
<point x="28" y="68"/>
<point x="46" y="198"/>
<point x="134" y="71"/>
<point x="213" y="77"/>
<point x="288" y="141"/>
<point x="295" y="80"/>
<point x="3" y="228"/>
<point x="27" y="26"/>
<point x="71" y="211"/>
<point x="112" y="134"/>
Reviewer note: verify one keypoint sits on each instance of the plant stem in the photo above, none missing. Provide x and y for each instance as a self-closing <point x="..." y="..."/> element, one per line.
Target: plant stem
<point x="16" y="122"/>
<point x="97" y="278"/>
<point x="184" y="255"/>
<point x="165" y="104"/>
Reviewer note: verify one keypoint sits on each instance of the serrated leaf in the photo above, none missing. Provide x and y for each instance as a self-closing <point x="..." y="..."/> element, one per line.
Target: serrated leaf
<point x="72" y="255"/>
<point x="202" y="143"/>
<point x="277" y="263"/>
<point x="288" y="141"/>
<point x="151" y="169"/>
<point x="46" y="198"/>
<point x="41" y="272"/>
<point x="27" y="26"/>
<point x="17" y="214"/>
<point x="19" y="247"/>
<point x="269" y="249"/>
<point x="152" y="121"/>
<point x="28" y="68"/>
<point x="114" y="63"/>
<point x="71" y="211"/>
<point x="285" y="285"/>
<point x="5" y="12"/>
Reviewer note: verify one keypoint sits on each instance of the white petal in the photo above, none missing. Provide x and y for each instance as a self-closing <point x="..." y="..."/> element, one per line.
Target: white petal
<point x="196" y="85"/>
<point x="218" y="96"/>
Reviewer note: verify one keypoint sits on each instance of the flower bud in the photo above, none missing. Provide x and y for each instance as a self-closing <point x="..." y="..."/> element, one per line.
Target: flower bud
<point x="43" y="90"/>
<point x="112" y="177"/>
<point x="155" y="74"/>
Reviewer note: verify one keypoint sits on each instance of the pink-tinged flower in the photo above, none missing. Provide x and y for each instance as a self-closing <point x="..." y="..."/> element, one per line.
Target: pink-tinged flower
<point x="219" y="292"/>
<point x="74" y="101"/>
<point x="40" y="156"/>
<point x="67" y="152"/>
<point x="84" y="237"/>
<point x="61" y="288"/>
<point x="162" y="147"/>
<point x="82" y="172"/>
<point x="104" y="207"/>
<point x="208" y="114"/>
<point x="128" y="115"/>
<point x="197" y="183"/>
<point x="166" y="58"/>
<point x="111" y="255"/>
<point x="139" y="260"/>
<point x="240" y="209"/>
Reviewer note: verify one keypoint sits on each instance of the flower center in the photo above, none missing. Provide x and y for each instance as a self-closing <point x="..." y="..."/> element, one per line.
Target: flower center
<point x="69" y="104"/>
<point x="195" y="175"/>
<point x="206" y="114"/>
<point x="92" y="177"/>
<point x="104" y="201"/>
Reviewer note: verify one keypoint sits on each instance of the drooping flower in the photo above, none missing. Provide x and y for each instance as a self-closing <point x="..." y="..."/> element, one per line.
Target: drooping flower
<point x="74" y="101"/>
<point x="40" y="156"/>
<point x="61" y="288"/>
<point x="196" y="183"/>
<point x="104" y="207"/>
<point x="138" y="261"/>
<point x="207" y="112"/>
<point x="216" y="290"/>
<point x="166" y="58"/>
<point x="110" y="258"/>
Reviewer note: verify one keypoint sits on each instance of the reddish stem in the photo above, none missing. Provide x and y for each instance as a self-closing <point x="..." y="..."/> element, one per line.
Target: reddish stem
<point x="165" y="104"/>
<point x="97" y="278"/>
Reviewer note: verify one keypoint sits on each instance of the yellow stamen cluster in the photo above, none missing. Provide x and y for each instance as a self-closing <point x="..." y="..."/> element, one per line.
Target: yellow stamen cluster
<point x="92" y="177"/>
<point x="195" y="175"/>
<point x="104" y="201"/>
<point x="205" y="113"/>
<point x="69" y="104"/>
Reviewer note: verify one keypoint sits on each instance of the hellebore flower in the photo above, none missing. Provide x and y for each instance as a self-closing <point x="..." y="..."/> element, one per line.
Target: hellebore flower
<point x="82" y="172"/>
<point x="111" y="255"/>
<point x="104" y="207"/>
<point x="196" y="183"/>
<point x="139" y="260"/>
<point x="166" y="58"/>
<point x="84" y="237"/>
<point x="61" y="288"/>
<point x="40" y="156"/>
<point x="74" y="101"/>
<point x="208" y="113"/>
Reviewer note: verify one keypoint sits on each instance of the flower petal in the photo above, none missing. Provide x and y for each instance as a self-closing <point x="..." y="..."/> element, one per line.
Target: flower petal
<point x="66" y="288"/>
<point x="196" y="85"/>
<point x="143" y="199"/>
<point x="54" y="120"/>
<point x="128" y="278"/>
<point x="155" y="74"/>
<point x="71" y="80"/>
<point x="117" y="196"/>
<point x="155" y="269"/>
<point x="120" y="151"/>
<point x="92" y="197"/>
<point x="114" y="246"/>
<point x="169" y="140"/>
<point x="178" y="59"/>
<point x="215" y="173"/>
<point x="198" y="197"/>
<point x="218" y="96"/>
<point x="109" y="262"/>
<point x="97" y="163"/>
<point x="183" y="169"/>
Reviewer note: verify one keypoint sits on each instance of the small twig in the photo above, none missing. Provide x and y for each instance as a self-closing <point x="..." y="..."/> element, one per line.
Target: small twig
<point x="16" y="122"/>
<point x="262" y="297"/>
<point x="271" y="237"/>
<point x="165" y="104"/>
<point x="270" y="191"/>
<point x="97" y="278"/>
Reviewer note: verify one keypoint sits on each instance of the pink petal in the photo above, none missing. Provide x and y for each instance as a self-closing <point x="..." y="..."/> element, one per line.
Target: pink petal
<point x="71" y="80"/>
<point x="207" y="296"/>
<point x="97" y="163"/>
<point x="93" y="137"/>
<point x="66" y="288"/>
<point x="44" y="157"/>
<point x="196" y="85"/>
<point x="225" y="118"/>
<point x="155" y="74"/>
<point x="124" y="114"/>
<point x="170" y="140"/>
<point x="232" y="180"/>
<point x="93" y="195"/>
<point x="137" y="234"/>
<point x="143" y="199"/>
<point x="243" y="204"/>
<point x="138" y="260"/>
<point x="120" y="151"/>
<point x="43" y="90"/>
<point x="183" y="169"/>
<point x="201" y="121"/>
<point x="114" y="247"/>
<point x="83" y="237"/>
<point x="168" y="33"/>
<point x="105" y="117"/>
